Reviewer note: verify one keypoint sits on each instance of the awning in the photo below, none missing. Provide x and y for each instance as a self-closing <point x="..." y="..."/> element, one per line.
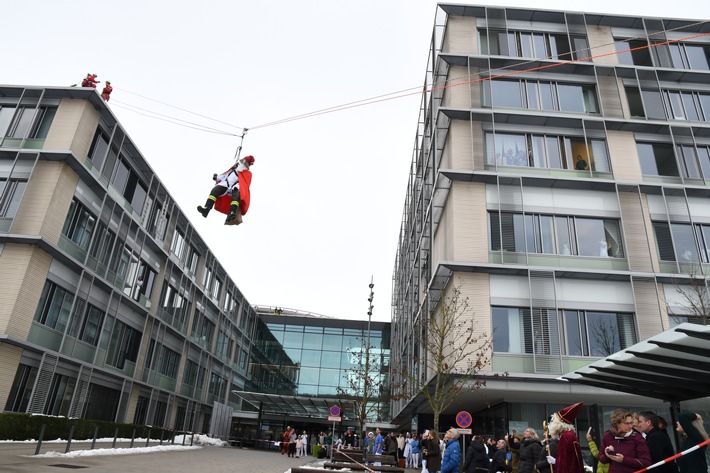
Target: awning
<point x="298" y="406"/>
<point x="671" y="366"/>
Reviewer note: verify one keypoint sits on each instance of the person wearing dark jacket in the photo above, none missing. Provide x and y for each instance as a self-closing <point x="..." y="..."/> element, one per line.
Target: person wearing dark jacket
<point x="499" y="465"/>
<point x="690" y="425"/>
<point x="542" y="465"/>
<point x="529" y="451"/>
<point x="477" y="460"/>
<point x="622" y="447"/>
<point x="657" y="440"/>
<point x="433" y="453"/>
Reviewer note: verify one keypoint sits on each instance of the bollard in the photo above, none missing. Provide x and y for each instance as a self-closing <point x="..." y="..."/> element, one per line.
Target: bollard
<point x="40" y="438"/>
<point x="161" y="437"/>
<point x="184" y="434"/>
<point x="133" y="437"/>
<point x="115" y="435"/>
<point x="71" y="435"/>
<point x="172" y="439"/>
<point x="147" y="440"/>
<point x="96" y="433"/>
<point x="192" y="438"/>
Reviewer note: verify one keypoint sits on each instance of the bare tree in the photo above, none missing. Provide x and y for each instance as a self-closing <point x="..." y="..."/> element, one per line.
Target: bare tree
<point x="453" y="356"/>
<point x="364" y="385"/>
<point x="694" y="295"/>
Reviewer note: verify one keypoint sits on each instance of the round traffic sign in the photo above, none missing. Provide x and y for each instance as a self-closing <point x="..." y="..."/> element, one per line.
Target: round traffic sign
<point x="335" y="411"/>
<point x="463" y="419"/>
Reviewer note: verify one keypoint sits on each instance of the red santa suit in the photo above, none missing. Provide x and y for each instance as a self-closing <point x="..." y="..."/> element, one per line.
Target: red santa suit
<point x="239" y="177"/>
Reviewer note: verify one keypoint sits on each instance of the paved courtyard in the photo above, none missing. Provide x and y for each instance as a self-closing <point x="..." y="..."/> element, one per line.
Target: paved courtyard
<point x="18" y="458"/>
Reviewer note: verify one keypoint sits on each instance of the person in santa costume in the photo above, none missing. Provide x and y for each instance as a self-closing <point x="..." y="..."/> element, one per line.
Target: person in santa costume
<point x="231" y="195"/>
<point x="569" y="453"/>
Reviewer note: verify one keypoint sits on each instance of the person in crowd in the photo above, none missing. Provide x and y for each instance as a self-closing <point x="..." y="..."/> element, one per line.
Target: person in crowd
<point x="594" y="449"/>
<point x="513" y="441"/>
<point x="499" y="463"/>
<point x="451" y="460"/>
<point x="401" y="442"/>
<point x="477" y="460"/>
<point x="690" y="426"/>
<point x="407" y="452"/>
<point x="292" y="436"/>
<point x="623" y="448"/>
<point x="432" y="453"/>
<point x="569" y="453"/>
<point x="529" y="451"/>
<point x="549" y="448"/>
<point x="414" y="461"/>
<point x="657" y="440"/>
<point x="391" y="446"/>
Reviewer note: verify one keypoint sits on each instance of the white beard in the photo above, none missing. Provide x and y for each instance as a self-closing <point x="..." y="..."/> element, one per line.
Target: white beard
<point x="242" y="166"/>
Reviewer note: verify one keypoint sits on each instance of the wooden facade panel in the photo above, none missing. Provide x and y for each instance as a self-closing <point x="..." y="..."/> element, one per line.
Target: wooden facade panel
<point x="73" y="127"/>
<point x="636" y="231"/>
<point x="461" y="35"/>
<point x="9" y="361"/>
<point x="601" y="42"/>
<point x="470" y="222"/>
<point x="623" y="156"/>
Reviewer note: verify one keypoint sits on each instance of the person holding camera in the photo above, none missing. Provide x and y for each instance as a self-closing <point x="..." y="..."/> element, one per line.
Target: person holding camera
<point x="623" y="448"/>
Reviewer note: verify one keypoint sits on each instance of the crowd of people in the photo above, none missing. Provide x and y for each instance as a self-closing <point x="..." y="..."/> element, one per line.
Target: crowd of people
<point x="634" y="441"/>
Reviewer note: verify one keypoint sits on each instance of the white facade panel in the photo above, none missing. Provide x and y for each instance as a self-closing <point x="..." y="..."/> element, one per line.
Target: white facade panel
<point x="563" y="201"/>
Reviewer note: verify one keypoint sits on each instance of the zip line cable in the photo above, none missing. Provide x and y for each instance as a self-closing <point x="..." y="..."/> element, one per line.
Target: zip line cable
<point x="447" y="83"/>
<point x="171" y="119"/>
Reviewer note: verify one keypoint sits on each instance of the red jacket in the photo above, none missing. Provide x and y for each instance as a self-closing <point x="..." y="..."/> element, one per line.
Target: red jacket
<point x="222" y="203"/>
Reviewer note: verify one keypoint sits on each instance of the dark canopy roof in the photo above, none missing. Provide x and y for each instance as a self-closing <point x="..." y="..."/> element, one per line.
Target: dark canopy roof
<point x="297" y="406"/>
<point x="671" y="366"/>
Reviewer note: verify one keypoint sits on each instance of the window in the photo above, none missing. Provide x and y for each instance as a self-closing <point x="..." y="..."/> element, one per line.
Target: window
<point x="91" y="325"/>
<point x="158" y="220"/>
<point x="54" y="307"/>
<point x="657" y="159"/>
<point x="144" y="283"/>
<point x="633" y="52"/>
<point x="102" y="246"/>
<point x="203" y="328"/>
<point x="60" y="395"/>
<point x="178" y="245"/>
<point x="560" y="235"/>
<point x="124" y="343"/>
<point x="79" y="225"/>
<point x="581" y="333"/>
<point x="690" y="56"/>
<point x="543" y="151"/>
<point x="21" y="390"/>
<point x="683" y="242"/>
<point x="175" y="304"/>
<point x="194" y="375"/>
<point x="167" y="362"/>
<point x="27" y="122"/>
<point x="127" y="183"/>
<point x="543" y="95"/>
<point x="97" y="152"/>
<point x="533" y="44"/>
<point x="217" y="385"/>
<point x="11" y="193"/>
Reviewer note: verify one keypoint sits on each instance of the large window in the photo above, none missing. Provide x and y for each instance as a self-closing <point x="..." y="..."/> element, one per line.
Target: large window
<point x="683" y="242"/>
<point x="657" y="159"/>
<point x="91" y="325"/>
<point x="102" y="246"/>
<point x="633" y="52"/>
<point x="203" y="328"/>
<point x="26" y="122"/>
<point x="127" y="183"/>
<point x="533" y="44"/>
<point x="555" y="234"/>
<point x="79" y="225"/>
<point x="568" y="332"/>
<point x="546" y="151"/>
<point x="11" y="193"/>
<point x="54" y="307"/>
<point x="542" y="95"/>
<point x="668" y="104"/>
<point x="124" y="343"/>
<point x="99" y="147"/>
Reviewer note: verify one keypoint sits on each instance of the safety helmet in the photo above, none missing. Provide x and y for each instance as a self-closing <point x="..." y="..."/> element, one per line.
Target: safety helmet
<point x="108" y="81"/>
<point x="249" y="160"/>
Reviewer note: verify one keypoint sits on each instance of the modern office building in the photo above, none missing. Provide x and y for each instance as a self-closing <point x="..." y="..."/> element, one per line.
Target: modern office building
<point x="314" y="355"/>
<point x="111" y="304"/>
<point x="561" y="179"/>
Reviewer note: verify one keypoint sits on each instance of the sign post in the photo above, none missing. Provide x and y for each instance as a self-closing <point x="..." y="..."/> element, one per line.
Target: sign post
<point x="333" y="417"/>
<point x="463" y="420"/>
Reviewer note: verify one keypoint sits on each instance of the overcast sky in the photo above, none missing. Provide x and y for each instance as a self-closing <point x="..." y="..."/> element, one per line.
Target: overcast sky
<point x="328" y="191"/>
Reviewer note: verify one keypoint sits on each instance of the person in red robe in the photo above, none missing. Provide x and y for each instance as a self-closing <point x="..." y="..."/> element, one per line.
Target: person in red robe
<point x="90" y="81"/>
<point x="569" y="453"/>
<point x="231" y="195"/>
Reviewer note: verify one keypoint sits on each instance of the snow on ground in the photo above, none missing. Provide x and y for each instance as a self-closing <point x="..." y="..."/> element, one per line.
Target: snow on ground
<point x="198" y="442"/>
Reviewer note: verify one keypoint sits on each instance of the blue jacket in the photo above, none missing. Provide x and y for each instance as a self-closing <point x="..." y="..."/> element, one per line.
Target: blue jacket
<point x="415" y="446"/>
<point x="452" y="457"/>
<point x="379" y="444"/>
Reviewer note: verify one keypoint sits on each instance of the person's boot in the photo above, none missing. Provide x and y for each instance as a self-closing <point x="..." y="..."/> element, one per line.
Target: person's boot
<point x="208" y="206"/>
<point x="233" y="211"/>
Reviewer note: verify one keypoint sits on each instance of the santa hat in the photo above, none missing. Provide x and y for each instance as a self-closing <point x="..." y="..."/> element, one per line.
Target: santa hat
<point x="569" y="413"/>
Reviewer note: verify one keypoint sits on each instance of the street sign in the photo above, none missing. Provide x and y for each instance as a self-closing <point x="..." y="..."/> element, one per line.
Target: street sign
<point x="464" y="431"/>
<point x="335" y="411"/>
<point x="463" y="419"/>
<point x="334" y="418"/>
